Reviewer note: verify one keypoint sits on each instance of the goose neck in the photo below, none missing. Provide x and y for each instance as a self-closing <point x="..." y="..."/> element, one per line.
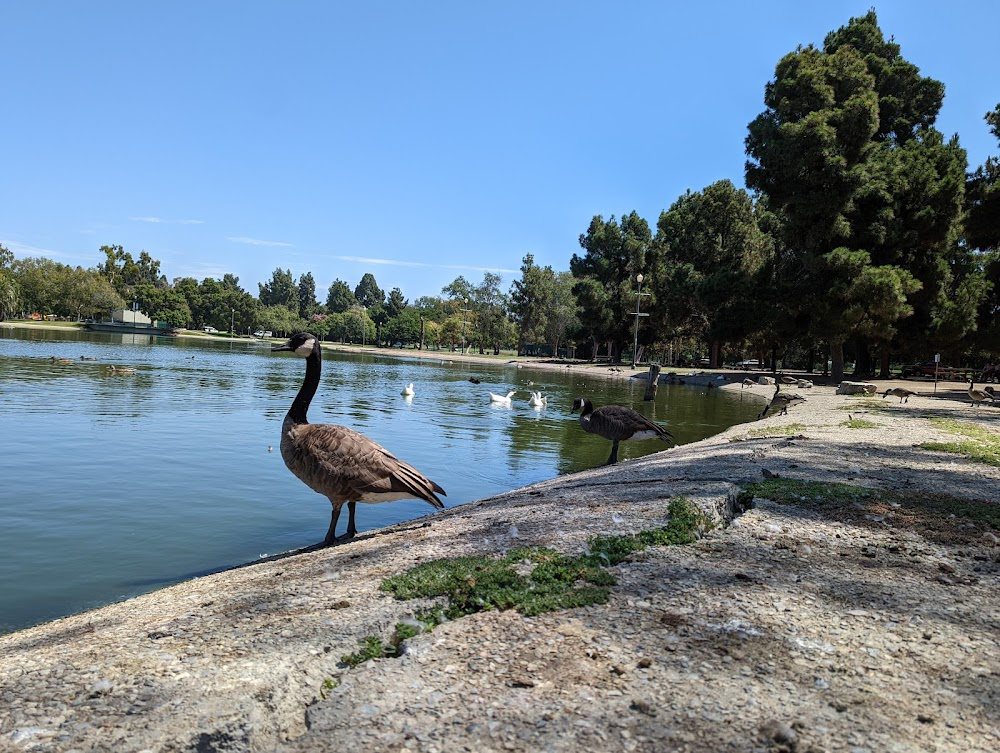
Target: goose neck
<point x="308" y="389"/>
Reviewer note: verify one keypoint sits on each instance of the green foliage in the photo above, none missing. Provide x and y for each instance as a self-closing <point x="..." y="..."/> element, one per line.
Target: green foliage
<point x="281" y="290"/>
<point x="308" y="304"/>
<point x="368" y="293"/>
<point x="530" y="300"/>
<point x="981" y="445"/>
<point x="859" y="423"/>
<point x="339" y="297"/>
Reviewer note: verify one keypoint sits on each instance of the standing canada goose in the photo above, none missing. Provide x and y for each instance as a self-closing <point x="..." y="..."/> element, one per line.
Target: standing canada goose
<point x="340" y="463"/>
<point x="780" y="400"/>
<point x="978" y="396"/>
<point x="537" y="401"/>
<point x="902" y="394"/>
<point x="502" y="399"/>
<point x="617" y="423"/>
<point x="407" y="390"/>
<point x="748" y="382"/>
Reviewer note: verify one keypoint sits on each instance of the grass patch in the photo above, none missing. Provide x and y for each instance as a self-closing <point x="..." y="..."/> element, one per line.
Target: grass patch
<point x="532" y="580"/>
<point x="859" y="423"/>
<point x="938" y="516"/>
<point x="787" y="430"/>
<point x="980" y="445"/>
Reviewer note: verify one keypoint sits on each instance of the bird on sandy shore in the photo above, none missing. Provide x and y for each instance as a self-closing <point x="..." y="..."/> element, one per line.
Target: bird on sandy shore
<point x="748" y="382"/>
<point x="343" y="465"/>
<point x="780" y="400"/>
<point x="617" y="424"/>
<point x="902" y="394"/>
<point x="978" y="396"/>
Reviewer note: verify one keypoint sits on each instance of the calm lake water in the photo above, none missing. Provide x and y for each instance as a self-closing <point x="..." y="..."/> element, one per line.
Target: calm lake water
<point x="113" y="485"/>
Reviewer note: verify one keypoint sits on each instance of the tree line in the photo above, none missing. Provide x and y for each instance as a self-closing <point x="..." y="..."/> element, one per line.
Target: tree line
<point x="862" y="234"/>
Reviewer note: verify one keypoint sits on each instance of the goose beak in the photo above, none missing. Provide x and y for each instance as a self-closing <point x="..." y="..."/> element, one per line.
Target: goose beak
<point x="286" y="346"/>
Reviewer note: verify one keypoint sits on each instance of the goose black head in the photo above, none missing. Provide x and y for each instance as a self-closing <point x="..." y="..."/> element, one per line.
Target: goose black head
<point x="302" y="344"/>
<point x="581" y="404"/>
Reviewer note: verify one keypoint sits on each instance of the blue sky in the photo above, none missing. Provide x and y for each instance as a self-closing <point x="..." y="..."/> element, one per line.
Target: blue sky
<point x="415" y="141"/>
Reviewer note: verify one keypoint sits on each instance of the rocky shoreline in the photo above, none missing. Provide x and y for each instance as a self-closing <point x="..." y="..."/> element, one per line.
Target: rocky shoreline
<point x="870" y="625"/>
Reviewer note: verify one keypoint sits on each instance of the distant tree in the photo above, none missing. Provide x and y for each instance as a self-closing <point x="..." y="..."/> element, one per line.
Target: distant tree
<point x="395" y="304"/>
<point x="404" y="328"/>
<point x="9" y="295"/>
<point x="308" y="305"/>
<point x="359" y="326"/>
<point x="124" y="273"/>
<point x="531" y="301"/>
<point x="281" y="290"/>
<point x="562" y="312"/>
<point x="614" y="253"/>
<point x="714" y="233"/>
<point x="339" y="298"/>
<point x="368" y="293"/>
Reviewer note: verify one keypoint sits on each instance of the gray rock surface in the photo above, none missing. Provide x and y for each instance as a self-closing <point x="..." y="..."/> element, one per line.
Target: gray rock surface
<point x="787" y="630"/>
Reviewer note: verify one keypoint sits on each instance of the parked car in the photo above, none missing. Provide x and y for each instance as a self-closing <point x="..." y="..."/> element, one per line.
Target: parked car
<point x="924" y="368"/>
<point x="209" y="329"/>
<point x="750" y="363"/>
<point x="262" y="333"/>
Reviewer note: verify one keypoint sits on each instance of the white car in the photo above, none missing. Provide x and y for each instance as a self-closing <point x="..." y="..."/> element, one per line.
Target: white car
<point x="209" y="329"/>
<point x="263" y="333"/>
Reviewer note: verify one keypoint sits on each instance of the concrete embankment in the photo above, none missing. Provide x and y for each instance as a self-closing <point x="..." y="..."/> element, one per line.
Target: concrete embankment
<point x="800" y="626"/>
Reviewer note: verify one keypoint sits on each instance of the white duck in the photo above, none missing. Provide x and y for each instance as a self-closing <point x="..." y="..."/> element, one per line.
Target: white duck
<point x="407" y="390"/>
<point x="537" y="401"/>
<point x="501" y="399"/>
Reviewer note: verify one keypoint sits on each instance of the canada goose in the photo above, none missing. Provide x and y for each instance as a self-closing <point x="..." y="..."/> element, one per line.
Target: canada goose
<point x="61" y="360"/>
<point x="537" y="401"/>
<point x="978" y="396"/>
<point x="407" y="390"/>
<point x="87" y="358"/>
<point x="902" y="394"/>
<point x="748" y="382"/>
<point x="122" y="369"/>
<point x="340" y="463"/>
<point x="991" y="390"/>
<point x="473" y="380"/>
<point x="502" y="399"/>
<point x="780" y="400"/>
<point x="617" y="423"/>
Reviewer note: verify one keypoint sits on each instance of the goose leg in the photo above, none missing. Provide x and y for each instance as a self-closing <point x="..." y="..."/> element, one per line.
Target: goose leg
<point x="331" y="534"/>
<point x="352" y="530"/>
<point x="614" y="454"/>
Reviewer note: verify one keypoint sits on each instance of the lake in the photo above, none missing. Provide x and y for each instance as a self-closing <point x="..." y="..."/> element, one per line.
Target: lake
<point x="112" y="485"/>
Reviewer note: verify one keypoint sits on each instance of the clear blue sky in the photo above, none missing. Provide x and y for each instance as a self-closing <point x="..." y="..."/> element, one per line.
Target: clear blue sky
<point x="418" y="141"/>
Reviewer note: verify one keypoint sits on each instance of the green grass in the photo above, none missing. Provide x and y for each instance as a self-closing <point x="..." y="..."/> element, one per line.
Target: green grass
<point x="532" y="580"/>
<point x="928" y="511"/>
<point x="980" y="445"/>
<point x="787" y="430"/>
<point x="859" y="423"/>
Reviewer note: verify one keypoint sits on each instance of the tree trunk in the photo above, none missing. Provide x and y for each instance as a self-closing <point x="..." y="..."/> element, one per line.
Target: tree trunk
<point x="715" y="354"/>
<point x="883" y="358"/>
<point x="421" y="334"/>
<point x="863" y="362"/>
<point x="811" y="363"/>
<point x="837" y="361"/>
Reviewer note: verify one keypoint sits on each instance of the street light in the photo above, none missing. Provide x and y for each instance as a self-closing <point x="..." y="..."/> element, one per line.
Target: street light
<point x="232" y="319"/>
<point x="635" y="340"/>
<point x="465" y="301"/>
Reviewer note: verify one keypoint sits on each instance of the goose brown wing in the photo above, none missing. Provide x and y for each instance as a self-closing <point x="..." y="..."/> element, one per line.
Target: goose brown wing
<point x="342" y="463"/>
<point x="619" y="422"/>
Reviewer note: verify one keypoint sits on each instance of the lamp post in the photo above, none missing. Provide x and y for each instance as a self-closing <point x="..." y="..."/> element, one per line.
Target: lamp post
<point x="635" y="339"/>
<point x="232" y="319"/>
<point x="465" y="302"/>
